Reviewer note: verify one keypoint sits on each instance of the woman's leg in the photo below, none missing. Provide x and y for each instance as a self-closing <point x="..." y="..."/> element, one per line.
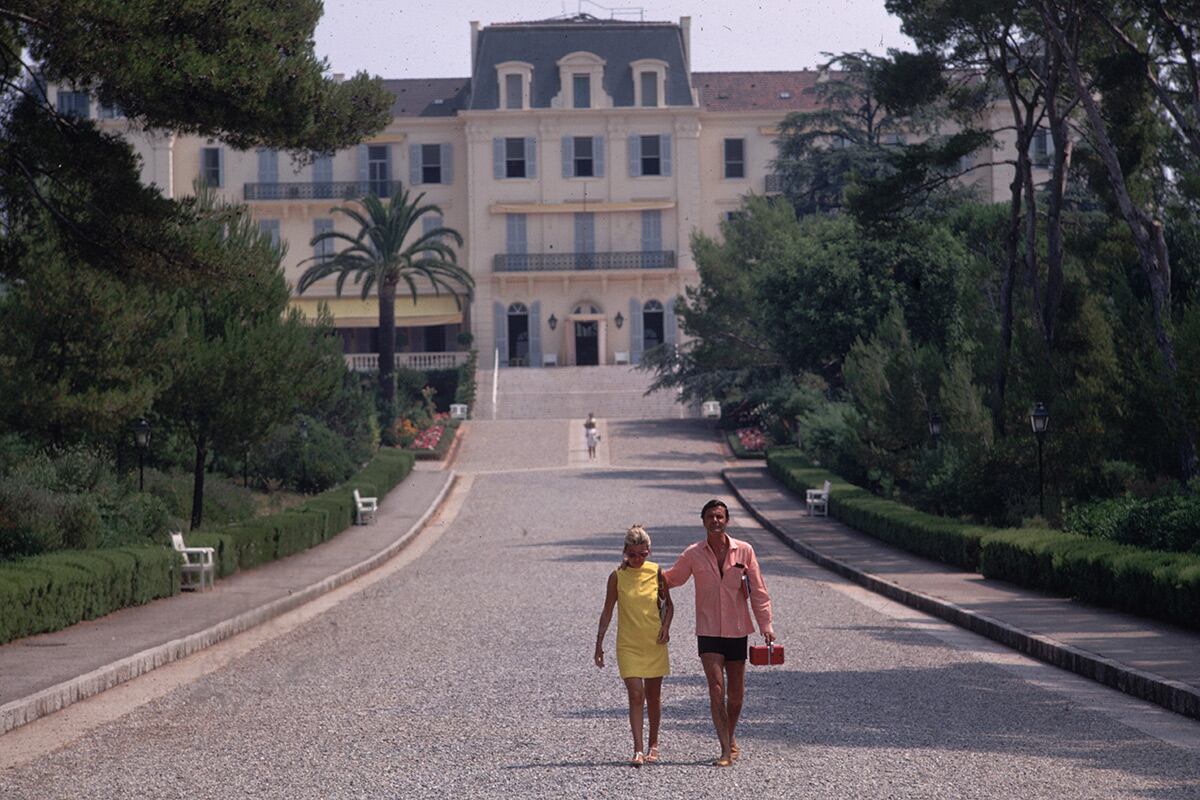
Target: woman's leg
<point x="637" y="702"/>
<point x="654" y="707"/>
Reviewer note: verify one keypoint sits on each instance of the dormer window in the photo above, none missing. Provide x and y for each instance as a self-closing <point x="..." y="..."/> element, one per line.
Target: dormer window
<point x="581" y="82"/>
<point x="649" y="82"/>
<point x="582" y="90"/>
<point x="514" y="78"/>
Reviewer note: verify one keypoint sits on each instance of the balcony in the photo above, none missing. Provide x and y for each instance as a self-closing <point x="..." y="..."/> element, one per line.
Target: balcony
<point x="773" y="183"/>
<point x="572" y="262"/>
<point x="365" y="362"/>
<point x="325" y="190"/>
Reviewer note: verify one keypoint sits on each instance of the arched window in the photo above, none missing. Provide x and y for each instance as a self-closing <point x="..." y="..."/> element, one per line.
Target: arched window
<point x="652" y="324"/>
<point x="518" y="335"/>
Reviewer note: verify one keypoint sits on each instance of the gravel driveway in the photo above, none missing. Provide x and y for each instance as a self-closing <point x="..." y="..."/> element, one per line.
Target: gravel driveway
<point x="468" y="674"/>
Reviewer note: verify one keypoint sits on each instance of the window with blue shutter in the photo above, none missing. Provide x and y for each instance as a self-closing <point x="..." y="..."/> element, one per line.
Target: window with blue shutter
<point x="322" y="170"/>
<point x="268" y="165"/>
<point x="514" y="157"/>
<point x="500" y="318"/>
<point x="379" y="170"/>
<point x="651" y="148"/>
<point x="363" y="172"/>
<point x="598" y="156"/>
<point x="323" y="249"/>
<point x="665" y="141"/>
<point x="430" y="222"/>
<point x="584" y="163"/>
<point x="431" y="163"/>
<point x="735" y="158"/>
<point x="447" y="155"/>
<point x="568" y="156"/>
<point x="530" y="157"/>
<point x="535" y="334"/>
<point x="651" y="232"/>
<point x="516" y="241"/>
<point x="635" y="155"/>
<point x="635" y="331"/>
<point x="74" y="104"/>
<point x="585" y="240"/>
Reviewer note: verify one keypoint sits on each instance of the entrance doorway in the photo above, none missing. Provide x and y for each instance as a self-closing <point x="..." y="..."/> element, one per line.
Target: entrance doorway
<point x="587" y="343"/>
<point x="518" y="335"/>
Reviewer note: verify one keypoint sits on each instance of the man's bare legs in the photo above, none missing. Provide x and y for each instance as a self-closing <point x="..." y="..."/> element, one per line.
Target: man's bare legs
<point x="714" y="672"/>
<point x="735" y="672"/>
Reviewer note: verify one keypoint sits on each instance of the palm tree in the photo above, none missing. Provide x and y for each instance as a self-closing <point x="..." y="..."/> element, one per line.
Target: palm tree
<point x="378" y="259"/>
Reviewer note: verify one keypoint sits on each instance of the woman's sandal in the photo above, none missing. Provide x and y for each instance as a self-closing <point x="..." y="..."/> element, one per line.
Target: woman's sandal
<point x="723" y="761"/>
<point x="652" y="756"/>
<point x="735" y="752"/>
<point x="638" y="759"/>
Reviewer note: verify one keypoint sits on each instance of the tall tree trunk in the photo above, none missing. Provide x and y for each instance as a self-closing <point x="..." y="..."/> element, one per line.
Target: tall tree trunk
<point x="387" y="344"/>
<point x="1147" y="236"/>
<point x="198" y="481"/>
<point x="1060" y="134"/>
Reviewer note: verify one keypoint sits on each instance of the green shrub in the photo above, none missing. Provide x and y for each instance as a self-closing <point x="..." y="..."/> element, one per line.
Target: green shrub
<point x="465" y="392"/>
<point x="296" y="531"/>
<point x="28" y="520"/>
<point x="223" y="501"/>
<point x="136" y="519"/>
<point x="307" y="465"/>
<point x="1162" y="523"/>
<point x="253" y="542"/>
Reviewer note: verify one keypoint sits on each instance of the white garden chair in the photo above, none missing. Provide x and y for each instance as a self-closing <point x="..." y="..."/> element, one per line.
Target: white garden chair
<point x="817" y="500"/>
<point x="198" y="562"/>
<point x="364" y="509"/>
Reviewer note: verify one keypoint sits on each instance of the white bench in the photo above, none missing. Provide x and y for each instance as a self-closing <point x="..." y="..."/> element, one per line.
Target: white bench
<point x="197" y="562"/>
<point x="549" y="359"/>
<point x="364" y="508"/>
<point x="621" y="357"/>
<point x="817" y="500"/>
<point x="458" y="411"/>
<point x="711" y="409"/>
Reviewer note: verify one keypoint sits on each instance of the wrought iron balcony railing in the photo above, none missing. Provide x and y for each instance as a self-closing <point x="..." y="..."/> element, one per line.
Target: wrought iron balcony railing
<point x="565" y="262"/>
<point x="326" y="190"/>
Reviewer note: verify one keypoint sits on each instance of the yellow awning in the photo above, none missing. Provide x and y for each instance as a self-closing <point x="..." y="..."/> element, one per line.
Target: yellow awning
<point x="354" y="312"/>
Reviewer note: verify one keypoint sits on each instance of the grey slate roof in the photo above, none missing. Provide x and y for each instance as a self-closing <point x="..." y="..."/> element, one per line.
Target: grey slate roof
<point x="542" y="44"/>
<point x="418" y="97"/>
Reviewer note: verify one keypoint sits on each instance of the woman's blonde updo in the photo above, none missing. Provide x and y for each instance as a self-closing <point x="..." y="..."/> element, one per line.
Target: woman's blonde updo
<point x="635" y="536"/>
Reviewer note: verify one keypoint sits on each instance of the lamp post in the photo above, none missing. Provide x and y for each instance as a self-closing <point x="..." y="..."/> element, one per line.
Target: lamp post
<point x="1039" y="418"/>
<point x="935" y="427"/>
<point x="619" y="319"/>
<point x="552" y="322"/>
<point x="141" y="437"/>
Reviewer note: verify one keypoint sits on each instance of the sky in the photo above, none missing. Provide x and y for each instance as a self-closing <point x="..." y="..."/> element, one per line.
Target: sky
<point x="432" y="38"/>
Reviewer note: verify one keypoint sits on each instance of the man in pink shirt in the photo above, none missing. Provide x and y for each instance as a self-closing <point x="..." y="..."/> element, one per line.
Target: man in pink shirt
<point x="725" y="569"/>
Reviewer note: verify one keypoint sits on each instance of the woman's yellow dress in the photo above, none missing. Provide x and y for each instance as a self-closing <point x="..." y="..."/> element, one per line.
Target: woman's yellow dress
<point x="639" y="655"/>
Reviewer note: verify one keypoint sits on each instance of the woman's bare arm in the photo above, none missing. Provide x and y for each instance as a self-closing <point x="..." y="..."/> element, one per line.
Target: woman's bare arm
<point x="610" y="601"/>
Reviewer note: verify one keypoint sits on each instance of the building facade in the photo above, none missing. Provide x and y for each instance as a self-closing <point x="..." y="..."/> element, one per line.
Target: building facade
<point x="577" y="161"/>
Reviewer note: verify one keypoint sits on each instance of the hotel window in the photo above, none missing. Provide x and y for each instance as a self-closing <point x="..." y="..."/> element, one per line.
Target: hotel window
<point x="514" y="91"/>
<point x="649" y="81"/>
<point x="430" y="222"/>
<point x="431" y="163"/>
<point x="110" y="111"/>
<point x="322" y="169"/>
<point x="735" y="158"/>
<point x="74" y="104"/>
<point x="649" y="155"/>
<point x="582" y="84"/>
<point x="514" y="157"/>
<point x="583" y="156"/>
<point x="379" y="170"/>
<point x="271" y="228"/>
<point x="1042" y="148"/>
<point x="322" y="249"/>
<point x="212" y="165"/>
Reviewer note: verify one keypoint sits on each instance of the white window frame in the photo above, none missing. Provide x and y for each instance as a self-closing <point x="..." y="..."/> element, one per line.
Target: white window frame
<point x="726" y="162"/>
<point x="522" y="69"/>
<point x="581" y="62"/>
<point x="654" y="66"/>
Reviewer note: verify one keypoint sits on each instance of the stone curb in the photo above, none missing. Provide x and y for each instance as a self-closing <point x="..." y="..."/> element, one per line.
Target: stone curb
<point x="55" y="698"/>
<point x="1172" y="695"/>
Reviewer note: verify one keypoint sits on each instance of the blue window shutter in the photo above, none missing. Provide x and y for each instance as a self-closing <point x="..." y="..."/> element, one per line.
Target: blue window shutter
<point x="535" y="334"/>
<point x="635" y="156"/>
<point x="414" y="164"/>
<point x="531" y="157"/>
<point x="598" y="156"/>
<point x="363" y="177"/>
<point x="666" y="153"/>
<point x="389" y="161"/>
<point x="501" y="329"/>
<point x="636" y="334"/>
<point x="447" y="164"/>
<point x="497" y="158"/>
<point x="271" y="228"/>
<point x="324" y="247"/>
<point x="651" y="231"/>
<point x="670" y="324"/>
<point x="268" y="165"/>
<point x="323" y="169"/>
<point x="220" y="167"/>
<point x="429" y="222"/>
<point x="518" y="243"/>
<point x="568" y="156"/>
<point x="585" y="233"/>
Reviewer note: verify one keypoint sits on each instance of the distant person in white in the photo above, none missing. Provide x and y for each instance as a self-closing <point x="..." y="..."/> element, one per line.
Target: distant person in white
<point x="591" y="435"/>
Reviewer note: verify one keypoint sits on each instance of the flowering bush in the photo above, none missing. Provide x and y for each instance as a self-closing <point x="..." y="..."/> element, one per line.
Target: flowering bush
<point x="428" y="438"/>
<point x="404" y="431"/>
<point x="752" y="438"/>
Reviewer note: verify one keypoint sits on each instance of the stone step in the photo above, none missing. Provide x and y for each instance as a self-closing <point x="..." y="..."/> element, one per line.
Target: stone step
<point x="609" y="392"/>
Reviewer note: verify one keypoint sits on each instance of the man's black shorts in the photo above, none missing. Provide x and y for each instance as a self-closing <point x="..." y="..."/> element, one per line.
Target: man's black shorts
<point x="732" y="649"/>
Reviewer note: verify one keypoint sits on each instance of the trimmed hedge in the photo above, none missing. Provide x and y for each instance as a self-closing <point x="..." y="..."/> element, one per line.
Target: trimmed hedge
<point x="51" y="592"/>
<point x="1146" y="582"/>
<point x="939" y="538"/>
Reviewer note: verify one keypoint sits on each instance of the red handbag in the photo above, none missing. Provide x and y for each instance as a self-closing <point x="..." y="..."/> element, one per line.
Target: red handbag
<point x="766" y="655"/>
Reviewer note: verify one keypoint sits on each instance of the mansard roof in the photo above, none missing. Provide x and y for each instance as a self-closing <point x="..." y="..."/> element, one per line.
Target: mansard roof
<point x="757" y="91"/>
<point x="428" y="97"/>
<point x="543" y="43"/>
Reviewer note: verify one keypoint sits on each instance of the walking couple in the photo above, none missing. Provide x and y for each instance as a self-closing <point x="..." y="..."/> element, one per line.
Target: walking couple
<point x="726" y="572"/>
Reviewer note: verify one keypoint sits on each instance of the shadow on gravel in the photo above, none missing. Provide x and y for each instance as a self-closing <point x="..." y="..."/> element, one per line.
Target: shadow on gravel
<point x="668" y="540"/>
<point x="673" y="480"/>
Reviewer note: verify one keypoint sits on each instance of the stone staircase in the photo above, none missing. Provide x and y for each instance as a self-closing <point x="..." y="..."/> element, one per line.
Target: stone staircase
<point x="609" y="392"/>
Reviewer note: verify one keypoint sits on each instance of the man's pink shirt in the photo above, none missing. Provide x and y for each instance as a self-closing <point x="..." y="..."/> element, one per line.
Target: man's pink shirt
<point x="720" y="599"/>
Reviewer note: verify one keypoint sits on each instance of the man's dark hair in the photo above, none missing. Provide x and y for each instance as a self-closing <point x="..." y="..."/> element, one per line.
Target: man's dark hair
<point x="713" y="504"/>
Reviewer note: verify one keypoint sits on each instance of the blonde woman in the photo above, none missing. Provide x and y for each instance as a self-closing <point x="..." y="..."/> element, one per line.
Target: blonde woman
<point x="638" y="591"/>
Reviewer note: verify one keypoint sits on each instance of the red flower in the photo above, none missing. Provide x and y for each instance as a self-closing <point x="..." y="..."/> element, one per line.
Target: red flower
<point x="752" y="438"/>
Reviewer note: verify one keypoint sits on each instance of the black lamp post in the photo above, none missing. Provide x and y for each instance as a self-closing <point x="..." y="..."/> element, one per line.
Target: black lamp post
<point x="935" y="427"/>
<point x="552" y="322"/>
<point x="141" y="437"/>
<point x="620" y="320"/>
<point x="1039" y="418"/>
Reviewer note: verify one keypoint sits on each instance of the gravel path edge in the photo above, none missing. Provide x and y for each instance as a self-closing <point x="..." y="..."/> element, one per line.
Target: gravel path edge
<point x="1172" y="695"/>
<point x="55" y="698"/>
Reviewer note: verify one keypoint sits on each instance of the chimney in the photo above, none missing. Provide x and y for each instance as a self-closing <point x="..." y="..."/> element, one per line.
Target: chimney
<point x="685" y="23"/>
<point x="474" y="43"/>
